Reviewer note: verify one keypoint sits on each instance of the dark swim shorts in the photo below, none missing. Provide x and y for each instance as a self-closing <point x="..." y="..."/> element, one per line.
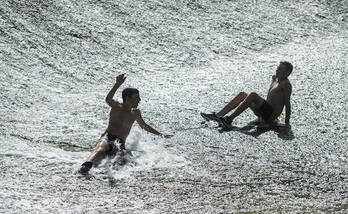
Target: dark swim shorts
<point x="111" y="140"/>
<point x="265" y="110"/>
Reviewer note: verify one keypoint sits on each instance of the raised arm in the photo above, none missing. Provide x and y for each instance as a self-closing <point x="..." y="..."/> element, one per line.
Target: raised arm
<point x="109" y="98"/>
<point x="148" y="128"/>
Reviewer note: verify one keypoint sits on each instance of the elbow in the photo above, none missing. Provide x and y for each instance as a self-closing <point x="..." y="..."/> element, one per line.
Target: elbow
<point x="108" y="100"/>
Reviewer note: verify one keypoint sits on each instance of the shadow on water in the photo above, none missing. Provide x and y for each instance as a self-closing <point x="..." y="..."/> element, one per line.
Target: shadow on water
<point x="86" y="176"/>
<point x="256" y="129"/>
<point x="104" y="176"/>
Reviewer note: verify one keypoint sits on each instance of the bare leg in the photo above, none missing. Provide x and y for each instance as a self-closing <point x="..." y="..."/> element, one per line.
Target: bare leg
<point x="253" y="107"/>
<point x="99" y="152"/>
<point x="116" y="159"/>
<point x="97" y="155"/>
<point x="253" y="100"/>
<point x="232" y="104"/>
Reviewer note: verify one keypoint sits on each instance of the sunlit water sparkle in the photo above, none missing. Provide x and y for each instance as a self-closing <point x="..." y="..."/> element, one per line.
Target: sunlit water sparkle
<point x="60" y="58"/>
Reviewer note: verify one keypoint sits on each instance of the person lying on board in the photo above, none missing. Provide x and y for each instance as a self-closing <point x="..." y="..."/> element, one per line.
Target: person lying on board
<point x="122" y="117"/>
<point x="278" y="96"/>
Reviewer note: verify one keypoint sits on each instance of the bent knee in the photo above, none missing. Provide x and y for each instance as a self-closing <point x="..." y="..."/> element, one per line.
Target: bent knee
<point x="253" y="95"/>
<point x="242" y="95"/>
<point x="255" y="98"/>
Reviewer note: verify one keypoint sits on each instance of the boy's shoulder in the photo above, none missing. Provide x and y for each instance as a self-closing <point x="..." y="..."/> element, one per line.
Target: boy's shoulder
<point x="286" y="85"/>
<point x="285" y="82"/>
<point x="114" y="104"/>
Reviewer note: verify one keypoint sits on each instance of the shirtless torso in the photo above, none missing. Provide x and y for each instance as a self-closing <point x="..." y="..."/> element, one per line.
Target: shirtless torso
<point x="121" y="120"/>
<point x="279" y="95"/>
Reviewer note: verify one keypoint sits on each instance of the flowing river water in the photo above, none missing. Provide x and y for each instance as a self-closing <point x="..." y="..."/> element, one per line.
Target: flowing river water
<point x="60" y="58"/>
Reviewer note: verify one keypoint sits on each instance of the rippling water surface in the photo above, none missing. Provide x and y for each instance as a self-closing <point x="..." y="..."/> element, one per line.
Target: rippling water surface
<point x="60" y="58"/>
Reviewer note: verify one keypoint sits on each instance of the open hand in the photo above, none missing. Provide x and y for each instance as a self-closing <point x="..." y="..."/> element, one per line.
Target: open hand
<point x="120" y="79"/>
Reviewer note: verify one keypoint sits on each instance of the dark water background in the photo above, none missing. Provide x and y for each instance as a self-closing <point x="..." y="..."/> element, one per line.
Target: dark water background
<point x="60" y="58"/>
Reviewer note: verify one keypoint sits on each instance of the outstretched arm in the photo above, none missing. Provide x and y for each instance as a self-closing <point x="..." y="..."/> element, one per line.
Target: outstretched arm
<point x="109" y="98"/>
<point x="148" y="128"/>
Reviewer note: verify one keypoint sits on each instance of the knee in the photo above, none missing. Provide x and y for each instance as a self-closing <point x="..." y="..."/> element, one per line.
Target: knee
<point x="252" y="94"/>
<point x="254" y="97"/>
<point x="242" y="95"/>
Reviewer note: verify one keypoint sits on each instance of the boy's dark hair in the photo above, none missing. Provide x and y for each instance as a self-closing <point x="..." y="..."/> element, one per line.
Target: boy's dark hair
<point x="128" y="92"/>
<point x="288" y="66"/>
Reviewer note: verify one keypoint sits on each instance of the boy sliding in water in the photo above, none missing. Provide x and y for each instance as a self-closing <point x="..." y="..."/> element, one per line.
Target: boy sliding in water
<point x="122" y="117"/>
<point x="278" y="96"/>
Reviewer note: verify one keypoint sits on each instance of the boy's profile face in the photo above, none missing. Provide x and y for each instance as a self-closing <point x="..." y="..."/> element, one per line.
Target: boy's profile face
<point x="134" y="101"/>
<point x="281" y="72"/>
